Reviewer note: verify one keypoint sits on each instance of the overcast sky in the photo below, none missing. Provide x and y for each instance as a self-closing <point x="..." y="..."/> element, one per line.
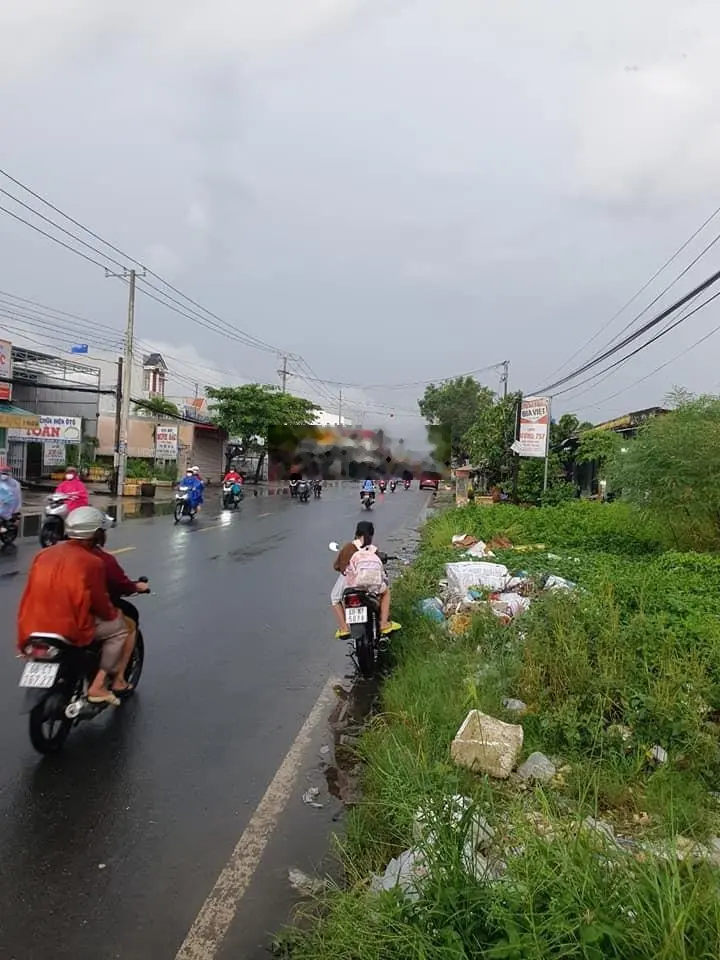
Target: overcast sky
<point x="398" y="190"/>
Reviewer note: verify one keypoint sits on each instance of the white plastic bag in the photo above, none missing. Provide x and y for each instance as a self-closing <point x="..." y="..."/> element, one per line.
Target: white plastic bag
<point x="462" y="576"/>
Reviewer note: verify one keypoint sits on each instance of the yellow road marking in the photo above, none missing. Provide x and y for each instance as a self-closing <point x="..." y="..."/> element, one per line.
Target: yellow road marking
<point x="122" y="550"/>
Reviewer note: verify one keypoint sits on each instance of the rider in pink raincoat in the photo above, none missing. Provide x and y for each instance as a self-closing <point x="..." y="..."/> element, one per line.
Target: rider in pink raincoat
<point x="73" y="486"/>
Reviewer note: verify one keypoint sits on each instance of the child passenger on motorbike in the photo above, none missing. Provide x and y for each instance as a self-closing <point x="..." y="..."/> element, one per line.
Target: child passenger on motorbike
<point x="364" y="533"/>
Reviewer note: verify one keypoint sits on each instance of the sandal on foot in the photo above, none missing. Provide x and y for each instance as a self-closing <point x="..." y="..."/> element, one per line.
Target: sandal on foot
<point x="390" y="628"/>
<point x="342" y="634"/>
<point x="118" y="691"/>
<point x="108" y="698"/>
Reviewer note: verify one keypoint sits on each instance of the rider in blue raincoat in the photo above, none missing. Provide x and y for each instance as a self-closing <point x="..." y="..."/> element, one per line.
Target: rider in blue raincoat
<point x="195" y="486"/>
<point x="10" y="494"/>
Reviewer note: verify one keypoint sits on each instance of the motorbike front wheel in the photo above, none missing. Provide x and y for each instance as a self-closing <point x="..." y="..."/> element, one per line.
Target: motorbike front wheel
<point x="134" y="668"/>
<point x="49" y="727"/>
<point x="178" y="512"/>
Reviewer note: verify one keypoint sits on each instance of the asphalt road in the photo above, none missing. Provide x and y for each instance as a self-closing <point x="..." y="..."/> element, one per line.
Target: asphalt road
<point x="111" y="849"/>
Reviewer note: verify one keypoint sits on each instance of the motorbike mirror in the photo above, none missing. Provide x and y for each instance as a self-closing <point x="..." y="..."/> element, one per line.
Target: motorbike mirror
<point x="335" y="547"/>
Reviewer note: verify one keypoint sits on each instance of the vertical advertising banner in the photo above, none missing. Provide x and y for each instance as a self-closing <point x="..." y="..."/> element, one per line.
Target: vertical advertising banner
<point x="5" y="369"/>
<point x="166" y="442"/>
<point x="534" y="434"/>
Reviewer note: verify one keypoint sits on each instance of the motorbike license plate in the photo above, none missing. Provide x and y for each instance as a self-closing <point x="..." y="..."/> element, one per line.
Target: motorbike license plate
<point x="40" y="675"/>
<point x="356" y="615"/>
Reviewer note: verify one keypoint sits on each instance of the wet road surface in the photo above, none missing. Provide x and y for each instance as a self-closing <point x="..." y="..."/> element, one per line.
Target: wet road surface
<point x="111" y="849"/>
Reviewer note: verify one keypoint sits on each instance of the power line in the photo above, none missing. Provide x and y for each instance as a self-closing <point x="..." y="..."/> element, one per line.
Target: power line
<point x="633" y="336"/>
<point x="647" y="343"/>
<point x="241" y="335"/>
<point x="644" y="288"/>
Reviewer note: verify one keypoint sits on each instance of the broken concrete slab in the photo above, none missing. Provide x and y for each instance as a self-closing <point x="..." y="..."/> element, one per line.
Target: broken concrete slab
<point x="485" y="744"/>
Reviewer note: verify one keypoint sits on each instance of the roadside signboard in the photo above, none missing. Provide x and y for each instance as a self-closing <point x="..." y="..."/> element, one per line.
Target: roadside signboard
<point x="54" y="453"/>
<point x="166" y="442"/>
<point x="5" y="369"/>
<point x="50" y="430"/>
<point x="534" y="433"/>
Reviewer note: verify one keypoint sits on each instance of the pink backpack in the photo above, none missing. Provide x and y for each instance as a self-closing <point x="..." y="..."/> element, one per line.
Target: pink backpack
<point x="365" y="570"/>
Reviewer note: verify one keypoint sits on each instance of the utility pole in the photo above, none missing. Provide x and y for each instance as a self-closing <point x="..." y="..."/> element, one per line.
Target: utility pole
<point x="197" y="387"/>
<point x="504" y="377"/>
<point x="127" y="385"/>
<point x="340" y="409"/>
<point x="283" y="371"/>
<point x="118" y="400"/>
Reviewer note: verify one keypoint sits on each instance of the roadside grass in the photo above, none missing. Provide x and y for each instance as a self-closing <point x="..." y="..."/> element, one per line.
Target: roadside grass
<point x="628" y="661"/>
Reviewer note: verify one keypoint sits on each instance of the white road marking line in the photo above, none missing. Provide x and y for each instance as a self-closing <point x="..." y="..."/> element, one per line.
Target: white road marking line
<point x="122" y="550"/>
<point x="261" y="515"/>
<point x="217" y="913"/>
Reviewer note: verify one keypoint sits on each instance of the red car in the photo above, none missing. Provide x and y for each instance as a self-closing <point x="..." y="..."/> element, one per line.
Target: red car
<point x="430" y="481"/>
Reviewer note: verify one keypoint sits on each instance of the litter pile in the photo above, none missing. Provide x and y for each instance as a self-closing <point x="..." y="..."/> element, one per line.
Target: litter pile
<point x="479" y="584"/>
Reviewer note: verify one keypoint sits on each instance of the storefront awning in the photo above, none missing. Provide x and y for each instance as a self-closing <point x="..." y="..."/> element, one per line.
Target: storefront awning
<point x="11" y="416"/>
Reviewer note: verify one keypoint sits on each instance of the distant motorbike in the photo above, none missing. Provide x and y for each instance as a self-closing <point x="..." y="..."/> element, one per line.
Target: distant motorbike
<point x="362" y="615"/>
<point x="367" y="498"/>
<point x="232" y="495"/>
<point x="56" y="678"/>
<point x="407" y="484"/>
<point x="184" y="506"/>
<point x="303" y="491"/>
<point x="9" y="529"/>
<point x="382" y="485"/>
<point x="293" y="488"/>
<point x="317" y="489"/>
<point x="393" y="485"/>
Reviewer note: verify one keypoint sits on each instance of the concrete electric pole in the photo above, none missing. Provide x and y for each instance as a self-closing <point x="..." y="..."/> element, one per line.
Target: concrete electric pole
<point x="283" y="371"/>
<point x="504" y="377"/>
<point x="127" y="385"/>
<point x="340" y="409"/>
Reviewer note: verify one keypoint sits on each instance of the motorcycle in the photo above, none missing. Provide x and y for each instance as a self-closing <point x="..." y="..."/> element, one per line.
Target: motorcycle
<point x="382" y="485"/>
<point x="303" y="491"/>
<point x="293" y="488"/>
<point x="56" y="513"/>
<point x="317" y="489"/>
<point x="56" y="678"/>
<point x="367" y="499"/>
<point x="393" y="485"/>
<point x="407" y="484"/>
<point x="362" y="615"/>
<point x="184" y="504"/>
<point x="232" y="495"/>
<point x="9" y="529"/>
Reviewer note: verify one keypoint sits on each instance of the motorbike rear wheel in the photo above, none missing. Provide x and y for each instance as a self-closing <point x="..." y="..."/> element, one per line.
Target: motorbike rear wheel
<point x="50" y="533"/>
<point x="365" y="655"/>
<point x="49" y="727"/>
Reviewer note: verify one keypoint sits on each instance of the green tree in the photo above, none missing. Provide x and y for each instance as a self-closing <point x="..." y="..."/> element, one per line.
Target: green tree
<point x="249" y="413"/>
<point x="157" y="407"/>
<point x="671" y="471"/>
<point x="454" y="407"/>
<point x="489" y="439"/>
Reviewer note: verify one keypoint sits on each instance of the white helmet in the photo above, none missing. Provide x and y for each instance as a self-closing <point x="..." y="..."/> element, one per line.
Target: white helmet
<point x="84" y="522"/>
<point x="196" y="469"/>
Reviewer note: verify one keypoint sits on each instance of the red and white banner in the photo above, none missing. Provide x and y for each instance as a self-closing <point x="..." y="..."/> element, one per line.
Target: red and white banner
<point x="5" y="369"/>
<point x="534" y="435"/>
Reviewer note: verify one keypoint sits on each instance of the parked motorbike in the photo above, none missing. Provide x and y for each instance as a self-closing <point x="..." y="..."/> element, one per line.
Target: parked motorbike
<point x="317" y="489"/>
<point x="9" y="529"/>
<point x="362" y="615"/>
<point x="56" y="678"/>
<point x="393" y="485"/>
<point x="183" y="504"/>
<point x="367" y="499"/>
<point x="232" y="495"/>
<point x="303" y="491"/>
